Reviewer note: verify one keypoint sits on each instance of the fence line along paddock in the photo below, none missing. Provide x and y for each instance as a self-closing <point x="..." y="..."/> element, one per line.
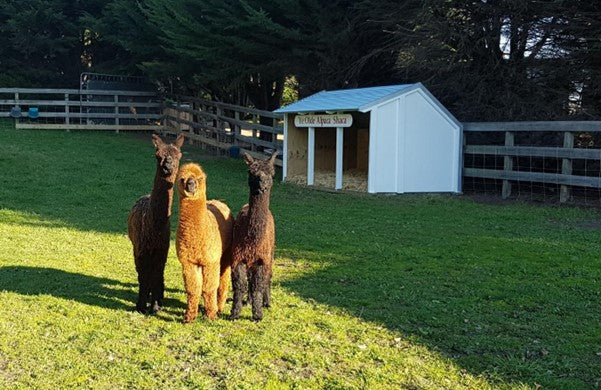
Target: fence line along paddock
<point x="222" y="125"/>
<point x="71" y="109"/>
<point x="560" y="156"/>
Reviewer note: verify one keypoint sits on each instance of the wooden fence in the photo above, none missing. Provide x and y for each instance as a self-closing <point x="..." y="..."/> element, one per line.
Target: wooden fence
<point x="492" y="150"/>
<point x="222" y="125"/>
<point x="565" y="152"/>
<point x="70" y="109"/>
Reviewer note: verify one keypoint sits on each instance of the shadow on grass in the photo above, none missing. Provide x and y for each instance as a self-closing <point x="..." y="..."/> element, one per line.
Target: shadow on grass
<point x="90" y="290"/>
<point x="501" y="319"/>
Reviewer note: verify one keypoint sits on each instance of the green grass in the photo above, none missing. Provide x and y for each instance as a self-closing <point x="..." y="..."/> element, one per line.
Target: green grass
<point x="369" y="291"/>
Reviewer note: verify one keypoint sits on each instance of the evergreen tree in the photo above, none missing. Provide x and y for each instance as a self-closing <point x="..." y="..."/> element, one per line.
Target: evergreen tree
<point x="40" y="43"/>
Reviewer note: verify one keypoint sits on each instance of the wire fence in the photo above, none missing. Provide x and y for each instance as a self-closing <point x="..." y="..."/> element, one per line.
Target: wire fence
<point x="539" y="161"/>
<point x="65" y="109"/>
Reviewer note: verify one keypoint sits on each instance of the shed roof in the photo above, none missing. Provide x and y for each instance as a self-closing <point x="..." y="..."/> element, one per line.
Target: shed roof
<point x="346" y="99"/>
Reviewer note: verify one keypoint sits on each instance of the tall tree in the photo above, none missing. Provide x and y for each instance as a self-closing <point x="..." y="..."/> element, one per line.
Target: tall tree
<point x="498" y="59"/>
<point x="40" y="42"/>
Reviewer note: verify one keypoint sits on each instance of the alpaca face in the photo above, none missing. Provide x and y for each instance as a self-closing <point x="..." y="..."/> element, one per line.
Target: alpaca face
<point x="260" y="173"/>
<point x="168" y="155"/>
<point x="191" y="182"/>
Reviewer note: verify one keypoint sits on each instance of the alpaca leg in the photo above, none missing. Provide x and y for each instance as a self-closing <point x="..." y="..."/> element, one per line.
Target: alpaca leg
<point x="257" y="280"/>
<point x="267" y="290"/>
<point x="210" y="284"/>
<point x="144" y="289"/>
<point x="158" y="289"/>
<point x="240" y="286"/>
<point x="143" y="294"/>
<point x="224" y="281"/>
<point x="192" y="285"/>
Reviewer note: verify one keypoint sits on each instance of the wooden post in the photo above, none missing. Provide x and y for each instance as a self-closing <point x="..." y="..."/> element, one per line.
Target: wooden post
<point x="311" y="156"/>
<point x="116" y="99"/>
<point x="218" y="122"/>
<point x="236" y="128"/>
<point x="285" y="149"/>
<point x="507" y="165"/>
<point x="274" y="135"/>
<point x="566" y="167"/>
<point x="67" y="121"/>
<point x="16" y="104"/>
<point x="163" y="120"/>
<point x="177" y="114"/>
<point x="339" y="151"/>
<point x="255" y="121"/>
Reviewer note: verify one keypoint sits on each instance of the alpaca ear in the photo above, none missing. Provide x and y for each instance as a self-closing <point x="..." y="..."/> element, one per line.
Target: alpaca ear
<point x="157" y="141"/>
<point x="249" y="160"/>
<point x="179" y="141"/>
<point x="272" y="158"/>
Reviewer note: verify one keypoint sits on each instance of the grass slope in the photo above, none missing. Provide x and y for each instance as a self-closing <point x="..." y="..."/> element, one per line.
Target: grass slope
<point x="369" y="291"/>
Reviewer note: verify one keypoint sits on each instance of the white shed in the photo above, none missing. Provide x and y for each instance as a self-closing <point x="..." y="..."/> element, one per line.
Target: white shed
<point x="392" y="139"/>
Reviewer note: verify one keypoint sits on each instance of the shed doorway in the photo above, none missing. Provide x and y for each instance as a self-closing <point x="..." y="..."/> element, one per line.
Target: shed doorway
<point x="355" y="155"/>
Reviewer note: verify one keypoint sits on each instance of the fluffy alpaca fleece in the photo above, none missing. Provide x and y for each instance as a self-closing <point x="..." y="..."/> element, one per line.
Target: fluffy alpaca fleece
<point x="148" y="225"/>
<point x="254" y="241"/>
<point x="204" y="238"/>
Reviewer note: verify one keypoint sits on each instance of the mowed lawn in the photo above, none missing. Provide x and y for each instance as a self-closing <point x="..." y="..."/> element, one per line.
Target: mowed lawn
<point x="417" y="292"/>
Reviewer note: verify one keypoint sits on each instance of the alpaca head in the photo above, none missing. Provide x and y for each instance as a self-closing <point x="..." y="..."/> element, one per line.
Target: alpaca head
<point x="260" y="173"/>
<point x="191" y="181"/>
<point x="168" y="155"/>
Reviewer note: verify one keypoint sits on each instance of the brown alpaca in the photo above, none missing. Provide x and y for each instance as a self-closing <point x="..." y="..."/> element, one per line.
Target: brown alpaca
<point x="204" y="238"/>
<point x="254" y="240"/>
<point x="148" y="225"/>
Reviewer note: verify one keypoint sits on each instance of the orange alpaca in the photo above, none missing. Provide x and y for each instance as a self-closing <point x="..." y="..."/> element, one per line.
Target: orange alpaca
<point x="204" y="239"/>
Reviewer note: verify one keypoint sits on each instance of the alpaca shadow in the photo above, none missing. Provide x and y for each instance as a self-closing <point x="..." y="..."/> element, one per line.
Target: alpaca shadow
<point x="90" y="290"/>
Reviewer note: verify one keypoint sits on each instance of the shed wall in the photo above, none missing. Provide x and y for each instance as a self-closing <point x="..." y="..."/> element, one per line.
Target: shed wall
<point x="415" y="147"/>
<point x="430" y="148"/>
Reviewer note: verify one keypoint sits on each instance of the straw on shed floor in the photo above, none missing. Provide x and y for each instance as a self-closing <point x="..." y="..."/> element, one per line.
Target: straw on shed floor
<point x="351" y="180"/>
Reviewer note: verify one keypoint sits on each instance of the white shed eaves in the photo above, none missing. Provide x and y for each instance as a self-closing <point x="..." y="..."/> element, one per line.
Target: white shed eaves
<point x="362" y="100"/>
<point x="414" y="87"/>
<point x="343" y="99"/>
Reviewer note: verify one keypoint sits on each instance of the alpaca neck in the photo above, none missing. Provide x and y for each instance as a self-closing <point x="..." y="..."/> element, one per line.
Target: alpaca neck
<point x="161" y="198"/>
<point x="199" y="216"/>
<point x="259" y="205"/>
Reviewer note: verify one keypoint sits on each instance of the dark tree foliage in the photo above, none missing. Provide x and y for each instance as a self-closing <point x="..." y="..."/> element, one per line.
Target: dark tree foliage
<point x="40" y="42"/>
<point x="501" y="59"/>
<point x="485" y="59"/>
<point x="236" y="50"/>
<point x="120" y="38"/>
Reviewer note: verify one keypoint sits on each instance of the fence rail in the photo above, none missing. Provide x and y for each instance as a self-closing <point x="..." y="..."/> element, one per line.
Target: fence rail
<point x="81" y="109"/>
<point x="565" y="155"/>
<point x="222" y="125"/>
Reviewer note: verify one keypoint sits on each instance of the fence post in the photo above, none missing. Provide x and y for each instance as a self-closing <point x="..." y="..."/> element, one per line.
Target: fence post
<point x="566" y="167"/>
<point x="67" y="121"/>
<point x="236" y="128"/>
<point x="177" y="113"/>
<point x="16" y="104"/>
<point x="163" y="120"/>
<point x="117" y="114"/>
<point x="255" y="121"/>
<point x="218" y="122"/>
<point x="274" y="135"/>
<point x="507" y="165"/>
